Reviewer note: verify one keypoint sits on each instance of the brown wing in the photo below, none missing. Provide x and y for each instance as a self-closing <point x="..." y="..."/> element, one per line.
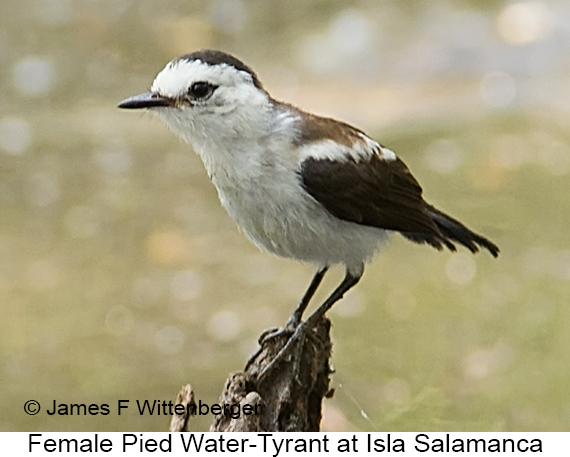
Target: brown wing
<point x="384" y="194"/>
<point x="373" y="191"/>
<point x="370" y="191"/>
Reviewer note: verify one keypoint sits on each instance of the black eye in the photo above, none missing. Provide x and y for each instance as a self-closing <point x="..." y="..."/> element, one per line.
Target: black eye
<point x="201" y="90"/>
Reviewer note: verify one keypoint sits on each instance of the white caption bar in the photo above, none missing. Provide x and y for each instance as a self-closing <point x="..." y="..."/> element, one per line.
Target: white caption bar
<point x="285" y="444"/>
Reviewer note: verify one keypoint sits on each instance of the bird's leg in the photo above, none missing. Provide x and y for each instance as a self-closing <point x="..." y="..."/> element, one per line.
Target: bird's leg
<point x="347" y="283"/>
<point x="295" y="318"/>
<point x="304" y="328"/>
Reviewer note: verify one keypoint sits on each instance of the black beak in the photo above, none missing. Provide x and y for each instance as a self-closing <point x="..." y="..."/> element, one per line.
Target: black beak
<point x="148" y="100"/>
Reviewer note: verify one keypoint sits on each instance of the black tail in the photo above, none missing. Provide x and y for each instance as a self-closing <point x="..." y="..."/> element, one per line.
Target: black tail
<point x="451" y="231"/>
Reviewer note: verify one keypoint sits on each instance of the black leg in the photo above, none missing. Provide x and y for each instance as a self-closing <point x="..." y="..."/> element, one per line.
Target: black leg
<point x="305" y="328"/>
<point x="295" y="318"/>
<point x="347" y="283"/>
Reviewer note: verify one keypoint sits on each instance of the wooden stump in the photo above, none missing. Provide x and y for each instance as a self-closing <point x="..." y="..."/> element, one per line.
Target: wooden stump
<point x="290" y="391"/>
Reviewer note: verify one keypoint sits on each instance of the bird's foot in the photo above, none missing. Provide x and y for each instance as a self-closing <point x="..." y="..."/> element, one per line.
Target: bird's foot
<point x="292" y="350"/>
<point x="270" y="335"/>
<point x="274" y="333"/>
<point x="288" y="329"/>
<point x="285" y="351"/>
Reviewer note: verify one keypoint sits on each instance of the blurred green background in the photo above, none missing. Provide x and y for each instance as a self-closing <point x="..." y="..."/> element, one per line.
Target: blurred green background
<point x="121" y="277"/>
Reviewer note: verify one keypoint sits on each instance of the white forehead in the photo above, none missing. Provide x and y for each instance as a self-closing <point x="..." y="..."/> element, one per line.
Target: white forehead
<point x="179" y="74"/>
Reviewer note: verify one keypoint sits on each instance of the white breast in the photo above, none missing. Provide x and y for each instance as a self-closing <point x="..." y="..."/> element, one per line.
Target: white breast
<point x="261" y="189"/>
<point x="255" y="172"/>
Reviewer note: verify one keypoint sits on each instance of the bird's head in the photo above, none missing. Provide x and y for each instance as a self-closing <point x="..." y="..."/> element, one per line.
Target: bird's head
<point x="206" y="93"/>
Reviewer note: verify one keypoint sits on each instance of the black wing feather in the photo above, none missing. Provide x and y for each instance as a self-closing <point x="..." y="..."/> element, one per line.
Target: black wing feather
<point x="380" y="193"/>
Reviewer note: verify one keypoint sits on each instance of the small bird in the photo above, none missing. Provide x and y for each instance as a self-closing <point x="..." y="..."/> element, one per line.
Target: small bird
<point x="298" y="185"/>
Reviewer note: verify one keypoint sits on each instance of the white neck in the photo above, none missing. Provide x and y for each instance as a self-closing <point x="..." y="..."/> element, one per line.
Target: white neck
<point x="237" y="141"/>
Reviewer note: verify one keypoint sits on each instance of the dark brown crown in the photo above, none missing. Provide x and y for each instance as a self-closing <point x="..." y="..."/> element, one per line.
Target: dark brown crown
<point x="214" y="57"/>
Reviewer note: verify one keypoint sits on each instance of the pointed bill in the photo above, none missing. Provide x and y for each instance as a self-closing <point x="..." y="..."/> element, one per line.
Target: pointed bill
<point x="146" y="100"/>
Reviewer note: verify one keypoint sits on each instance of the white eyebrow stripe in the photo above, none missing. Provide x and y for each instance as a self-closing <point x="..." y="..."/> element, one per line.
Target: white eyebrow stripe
<point x="173" y="80"/>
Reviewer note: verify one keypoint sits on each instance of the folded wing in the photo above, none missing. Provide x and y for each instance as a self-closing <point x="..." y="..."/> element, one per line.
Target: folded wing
<point x="373" y="191"/>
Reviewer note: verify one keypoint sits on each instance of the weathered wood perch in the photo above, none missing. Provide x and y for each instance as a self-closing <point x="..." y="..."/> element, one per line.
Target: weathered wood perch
<point x="291" y="392"/>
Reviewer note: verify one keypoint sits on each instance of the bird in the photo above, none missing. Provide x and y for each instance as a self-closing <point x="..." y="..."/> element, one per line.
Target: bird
<point x="298" y="185"/>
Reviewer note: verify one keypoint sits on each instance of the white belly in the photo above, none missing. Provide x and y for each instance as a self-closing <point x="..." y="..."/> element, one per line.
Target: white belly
<point x="278" y="215"/>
